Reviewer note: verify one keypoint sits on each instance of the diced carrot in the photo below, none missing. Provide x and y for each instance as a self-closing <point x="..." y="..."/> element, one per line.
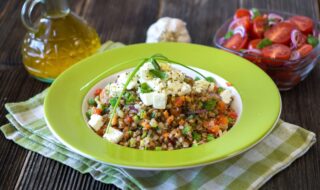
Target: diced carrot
<point x="166" y="114"/>
<point x="128" y="119"/>
<point x="165" y="135"/>
<point x="170" y="119"/>
<point x="145" y="125"/>
<point x="97" y="111"/>
<point x="221" y="106"/>
<point x="114" y="120"/>
<point x="222" y="120"/>
<point x="181" y="122"/>
<point x="97" y="91"/>
<point x="214" y="129"/>
<point x="179" y="101"/>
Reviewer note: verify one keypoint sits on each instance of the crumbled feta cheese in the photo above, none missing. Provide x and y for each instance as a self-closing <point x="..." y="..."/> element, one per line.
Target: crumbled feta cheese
<point x="226" y="96"/>
<point x="176" y="75"/>
<point x="113" y="135"/>
<point x="96" y="121"/>
<point x="178" y="88"/>
<point x="201" y="85"/>
<point x="159" y="100"/>
<point x="143" y="72"/>
<point x="115" y="89"/>
<point x="123" y="77"/>
<point x="168" y="29"/>
<point x="165" y="66"/>
<point x="146" y="98"/>
<point x="156" y="84"/>
<point x="185" y="89"/>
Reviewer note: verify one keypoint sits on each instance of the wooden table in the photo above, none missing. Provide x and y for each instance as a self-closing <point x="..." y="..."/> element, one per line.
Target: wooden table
<point x="127" y="21"/>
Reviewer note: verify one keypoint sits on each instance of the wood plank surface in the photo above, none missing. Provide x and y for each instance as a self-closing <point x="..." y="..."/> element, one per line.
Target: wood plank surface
<point x="127" y="21"/>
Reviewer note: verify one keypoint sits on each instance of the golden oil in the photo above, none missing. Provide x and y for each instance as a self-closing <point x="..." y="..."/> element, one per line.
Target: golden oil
<point x="58" y="43"/>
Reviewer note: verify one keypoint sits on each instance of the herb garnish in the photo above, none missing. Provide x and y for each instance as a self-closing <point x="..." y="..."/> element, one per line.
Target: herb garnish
<point x="210" y="79"/>
<point x="156" y="57"/>
<point x="155" y="64"/>
<point x="196" y="136"/>
<point x="113" y="101"/>
<point x="228" y="35"/>
<point x="263" y="43"/>
<point x="145" y="88"/>
<point x="312" y="41"/>
<point x="255" y="12"/>
<point x="210" y="104"/>
<point x="158" y="73"/>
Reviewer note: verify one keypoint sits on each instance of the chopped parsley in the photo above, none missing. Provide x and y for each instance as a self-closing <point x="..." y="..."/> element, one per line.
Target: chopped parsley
<point x="145" y="88"/>
<point x="263" y="43"/>
<point x="210" y="104"/>
<point x="228" y="35"/>
<point x="312" y="41"/>
<point x="129" y="98"/>
<point x="220" y="89"/>
<point x="186" y="130"/>
<point x="158" y="73"/>
<point x="210" y="137"/>
<point x="113" y="101"/>
<point x="196" y="136"/>
<point x="255" y="12"/>
<point x="210" y="79"/>
<point x="91" y="101"/>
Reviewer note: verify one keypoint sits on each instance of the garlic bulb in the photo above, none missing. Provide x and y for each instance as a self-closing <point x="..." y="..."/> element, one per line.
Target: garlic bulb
<point x="168" y="29"/>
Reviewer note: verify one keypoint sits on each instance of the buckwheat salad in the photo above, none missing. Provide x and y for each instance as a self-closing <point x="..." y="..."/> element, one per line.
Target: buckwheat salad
<point x="158" y="107"/>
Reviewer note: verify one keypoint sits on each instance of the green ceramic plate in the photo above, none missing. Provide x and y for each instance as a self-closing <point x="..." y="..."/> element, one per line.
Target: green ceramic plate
<point x="261" y="106"/>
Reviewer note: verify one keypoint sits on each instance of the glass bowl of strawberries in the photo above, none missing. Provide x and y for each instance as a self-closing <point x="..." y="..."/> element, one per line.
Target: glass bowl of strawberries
<point x="284" y="45"/>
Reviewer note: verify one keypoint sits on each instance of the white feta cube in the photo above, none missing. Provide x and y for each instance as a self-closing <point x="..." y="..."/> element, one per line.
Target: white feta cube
<point x="173" y="87"/>
<point x="201" y="85"/>
<point x="123" y="77"/>
<point x="115" y="89"/>
<point x="113" y="135"/>
<point x="144" y="74"/>
<point x="176" y="75"/>
<point x="156" y="84"/>
<point x="226" y="96"/>
<point x="96" y="121"/>
<point x="146" y="98"/>
<point x="185" y="89"/>
<point x="159" y="100"/>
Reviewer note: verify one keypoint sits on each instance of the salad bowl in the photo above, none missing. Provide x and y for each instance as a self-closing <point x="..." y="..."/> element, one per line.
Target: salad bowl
<point x="256" y="100"/>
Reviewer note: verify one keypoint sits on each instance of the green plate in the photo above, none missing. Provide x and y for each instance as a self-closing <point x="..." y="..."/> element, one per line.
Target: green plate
<point x="261" y="106"/>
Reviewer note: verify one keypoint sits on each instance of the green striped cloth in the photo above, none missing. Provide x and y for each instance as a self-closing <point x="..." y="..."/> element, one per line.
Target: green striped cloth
<point x="250" y="170"/>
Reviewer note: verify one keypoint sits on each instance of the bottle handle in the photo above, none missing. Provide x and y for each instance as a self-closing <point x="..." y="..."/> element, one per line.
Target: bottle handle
<point x="26" y="12"/>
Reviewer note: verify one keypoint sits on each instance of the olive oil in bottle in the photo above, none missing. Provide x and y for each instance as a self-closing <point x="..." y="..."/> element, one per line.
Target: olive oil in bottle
<point x="59" y="40"/>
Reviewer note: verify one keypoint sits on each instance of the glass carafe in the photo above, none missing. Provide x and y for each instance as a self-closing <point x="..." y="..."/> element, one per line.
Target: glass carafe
<point x="59" y="39"/>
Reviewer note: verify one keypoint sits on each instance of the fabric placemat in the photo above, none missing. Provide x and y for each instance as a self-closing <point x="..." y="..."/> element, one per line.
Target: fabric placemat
<point x="250" y="170"/>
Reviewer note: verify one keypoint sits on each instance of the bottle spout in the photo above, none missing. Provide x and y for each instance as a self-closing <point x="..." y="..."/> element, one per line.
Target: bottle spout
<point x="56" y="8"/>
